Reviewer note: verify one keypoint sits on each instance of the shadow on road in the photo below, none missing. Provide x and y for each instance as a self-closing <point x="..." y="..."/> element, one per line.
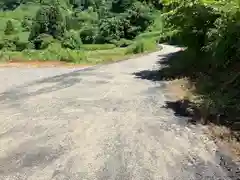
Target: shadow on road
<point x="171" y="68"/>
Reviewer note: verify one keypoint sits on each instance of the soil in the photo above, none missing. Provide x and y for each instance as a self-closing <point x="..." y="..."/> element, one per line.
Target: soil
<point x="222" y="136"/>
<point x="39" y="64"/>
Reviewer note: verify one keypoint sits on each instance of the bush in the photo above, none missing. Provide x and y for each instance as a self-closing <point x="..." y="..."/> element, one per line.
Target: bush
<point x="119" y="6"/>
<point x="21" y="45"/>
<point x="9" y="28"/>
<point x="26" y="24"/>
<point x="111" y="29"/>
<point x="71" y="41"/>
<point x="88" y="35"/>
<point x="93" y="47"/>
<point x="211" y="33"/>
<point x="43" y="41"/>
<point x="9" y="43"/>
<point x="14" y="43"/>
<point x="136" y="20"/>
<point x="122" y="42"/>
<point x="48" y="20"/>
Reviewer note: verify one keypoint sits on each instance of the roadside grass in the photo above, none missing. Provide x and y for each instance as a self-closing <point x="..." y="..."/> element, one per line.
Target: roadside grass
<point x="89" y="53"/>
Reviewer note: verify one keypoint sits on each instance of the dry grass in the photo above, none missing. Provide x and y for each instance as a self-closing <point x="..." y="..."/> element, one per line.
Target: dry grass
<point x="223" y="136"/>
<point x="181" y="89"/>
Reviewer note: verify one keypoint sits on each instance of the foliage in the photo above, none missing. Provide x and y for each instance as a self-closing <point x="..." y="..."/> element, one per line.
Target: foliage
<point x="9" y="28"/>
<point x="89" y="34"/>
<point x="111" y="29"/>
<point x="26" y="24"/>
<point x="136" y="20"/>
<point x="210" y="30"/>
<point x="71" y="40"/>
<point x="119" y="6"/>
<point x="42" y="41"/>
<point x="48" y="21"/>
<point x="71" y="28"/>
<point x="9" y="4"/>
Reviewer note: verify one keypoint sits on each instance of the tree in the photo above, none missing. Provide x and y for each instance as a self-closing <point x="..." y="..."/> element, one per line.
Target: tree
<point x="49" y="20"/>
<point x="111" y="29"/>
<point x="56" y="26"/>
<point x="119" y="6"/>
<point x="9" y="4"/>
<point x="9" y="28"/>
<point x="136" y="20"/>
<point x="41" y="23"/>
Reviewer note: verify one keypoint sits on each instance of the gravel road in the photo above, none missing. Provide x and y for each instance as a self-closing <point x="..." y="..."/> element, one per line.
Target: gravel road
<point x="100" y="123"/>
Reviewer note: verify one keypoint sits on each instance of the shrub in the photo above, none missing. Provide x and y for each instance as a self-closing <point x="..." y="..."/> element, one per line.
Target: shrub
<point x="111" y="29"/>
<point x="71" y="41"/>
<point x="119" y="6"/>
<point x="48" y="21"/>
<point x="42" y="41"/>
<point x="9" y="28"/>
<point x="26" y="24"/>
<point x="136" y="20"/>
<point x="211" y="33"/>
<point x="9" y="43"/>
<point x="21" y="45"/>
<point x="88" y="35"/>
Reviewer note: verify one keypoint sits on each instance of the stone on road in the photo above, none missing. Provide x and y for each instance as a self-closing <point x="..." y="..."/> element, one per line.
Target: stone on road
<point x="100" y="123"/>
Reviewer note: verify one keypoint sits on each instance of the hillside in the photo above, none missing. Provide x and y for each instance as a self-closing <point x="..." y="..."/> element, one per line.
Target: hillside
<point x="75" y="30"/>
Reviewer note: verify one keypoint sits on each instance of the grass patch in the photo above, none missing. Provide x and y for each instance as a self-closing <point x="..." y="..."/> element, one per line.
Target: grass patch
<point x="89" y="53"/>
<point x="149" y="35"/>
<point x="93" y="47"/>
<point x="142" y="45"/>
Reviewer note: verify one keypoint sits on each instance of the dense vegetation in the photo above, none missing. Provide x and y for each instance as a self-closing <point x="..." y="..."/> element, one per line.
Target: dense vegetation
<point x="210" y="31"/>
<point x="72" y="30"/>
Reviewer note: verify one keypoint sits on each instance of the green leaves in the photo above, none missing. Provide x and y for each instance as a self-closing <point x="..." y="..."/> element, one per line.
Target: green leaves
<point x="71" y="40"/>
<point x="48" y="20"/>
<point x="9" y="29"/>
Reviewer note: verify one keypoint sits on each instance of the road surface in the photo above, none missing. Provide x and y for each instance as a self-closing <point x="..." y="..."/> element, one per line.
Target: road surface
<point x="100" y="123"/>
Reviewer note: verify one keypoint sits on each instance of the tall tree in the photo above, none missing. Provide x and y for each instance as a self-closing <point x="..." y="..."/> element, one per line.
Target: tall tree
<point x="49" y="20"/>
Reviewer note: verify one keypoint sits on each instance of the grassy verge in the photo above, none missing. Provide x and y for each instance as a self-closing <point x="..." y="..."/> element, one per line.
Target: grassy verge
<point x="88" y="54"/>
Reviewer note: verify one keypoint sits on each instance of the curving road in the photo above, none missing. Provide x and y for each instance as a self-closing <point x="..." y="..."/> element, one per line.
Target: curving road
<point x="100" y="123"/>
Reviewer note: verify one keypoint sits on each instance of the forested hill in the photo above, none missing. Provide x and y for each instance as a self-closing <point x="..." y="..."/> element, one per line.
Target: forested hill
<point x="30" y="26"/>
